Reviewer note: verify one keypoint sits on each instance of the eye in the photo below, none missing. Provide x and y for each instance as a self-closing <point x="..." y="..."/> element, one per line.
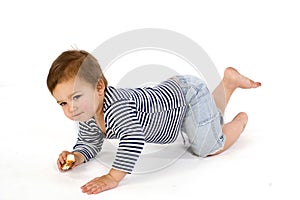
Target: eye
<point x="63" y="104"/>
<point x="76" y="97"/>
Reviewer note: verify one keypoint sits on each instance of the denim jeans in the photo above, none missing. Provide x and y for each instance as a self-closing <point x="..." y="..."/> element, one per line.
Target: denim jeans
<point x="203" y="121"/>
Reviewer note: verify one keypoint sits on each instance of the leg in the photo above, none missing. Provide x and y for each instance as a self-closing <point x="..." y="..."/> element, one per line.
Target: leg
<point x="232" y="130"/>
<point x="231" y="81"/>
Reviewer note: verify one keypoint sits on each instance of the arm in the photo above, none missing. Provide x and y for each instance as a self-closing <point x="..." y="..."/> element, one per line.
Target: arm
<point x="122" y="123"/>
<point x="90" y="140"/>
<point x="88" y="144"/>
<point x="129" y="150"/>
<point x="130" y="147"/>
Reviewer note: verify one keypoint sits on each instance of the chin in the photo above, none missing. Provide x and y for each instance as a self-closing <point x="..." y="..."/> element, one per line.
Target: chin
<point x="83" y="118"/>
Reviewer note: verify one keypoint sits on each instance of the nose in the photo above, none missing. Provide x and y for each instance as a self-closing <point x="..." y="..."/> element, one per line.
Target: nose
<point x="72" y="108"/>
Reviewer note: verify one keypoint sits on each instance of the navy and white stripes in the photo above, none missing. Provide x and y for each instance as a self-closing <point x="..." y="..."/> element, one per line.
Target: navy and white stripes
<point x="135" y="116"/>
<point x="90" y="139"/>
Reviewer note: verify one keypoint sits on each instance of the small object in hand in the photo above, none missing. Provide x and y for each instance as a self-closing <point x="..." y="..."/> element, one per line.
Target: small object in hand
<point x="69" y="162"/>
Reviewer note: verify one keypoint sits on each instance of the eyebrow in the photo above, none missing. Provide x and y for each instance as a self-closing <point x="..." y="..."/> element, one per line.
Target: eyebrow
<point x="59" y="102"/>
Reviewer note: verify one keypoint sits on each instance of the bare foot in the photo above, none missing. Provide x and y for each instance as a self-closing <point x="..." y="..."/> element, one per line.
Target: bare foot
<point x="242" y="118"/>
<point x="233" y="130"/>
<point x="233" y="79"/>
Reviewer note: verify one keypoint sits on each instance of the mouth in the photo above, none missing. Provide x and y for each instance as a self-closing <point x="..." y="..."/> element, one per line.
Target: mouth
<point x="76" y="115"/>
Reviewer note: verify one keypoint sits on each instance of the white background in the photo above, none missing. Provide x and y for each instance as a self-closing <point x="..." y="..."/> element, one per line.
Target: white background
<point x="260" y="38"/>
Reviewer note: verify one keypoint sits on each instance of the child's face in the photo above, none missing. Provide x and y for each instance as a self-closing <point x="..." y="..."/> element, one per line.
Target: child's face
<point x="79" y="100"/>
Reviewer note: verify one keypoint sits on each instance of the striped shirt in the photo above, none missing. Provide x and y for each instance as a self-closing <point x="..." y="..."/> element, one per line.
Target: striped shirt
<point x="134" y="116"/>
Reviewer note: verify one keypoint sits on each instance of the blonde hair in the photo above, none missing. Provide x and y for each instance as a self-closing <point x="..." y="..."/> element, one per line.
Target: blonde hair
<point x="74" y="63"/>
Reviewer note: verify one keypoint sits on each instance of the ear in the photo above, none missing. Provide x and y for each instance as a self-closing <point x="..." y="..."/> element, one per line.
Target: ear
<point x="100" y="87"/>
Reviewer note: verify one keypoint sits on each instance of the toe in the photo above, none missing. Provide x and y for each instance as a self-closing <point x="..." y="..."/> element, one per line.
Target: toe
<point x="255" y="84"/>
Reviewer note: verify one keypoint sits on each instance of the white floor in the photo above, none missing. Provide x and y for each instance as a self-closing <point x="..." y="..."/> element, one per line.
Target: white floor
<point x="261" y="164"/>
<point x="261" y="40"/>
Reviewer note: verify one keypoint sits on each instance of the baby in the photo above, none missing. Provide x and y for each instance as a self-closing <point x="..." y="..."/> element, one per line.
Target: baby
<point x="136" y="116"/>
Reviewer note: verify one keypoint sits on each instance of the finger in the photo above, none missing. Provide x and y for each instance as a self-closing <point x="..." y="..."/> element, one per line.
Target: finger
<point x="63" y="157"/>
<point x="93" y="188"/>
<point x="59" y="165"/>
<point x="99" y="189"/>
<point x="86" y="187"/>
<point x="61" y="160"/>
<point x="89" y="185"/>
<point x="64" y="154"/>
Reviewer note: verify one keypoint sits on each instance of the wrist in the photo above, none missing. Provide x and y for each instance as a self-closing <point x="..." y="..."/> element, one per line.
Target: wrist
<point x="79" y="157"/>
<point x="117" y="175"/>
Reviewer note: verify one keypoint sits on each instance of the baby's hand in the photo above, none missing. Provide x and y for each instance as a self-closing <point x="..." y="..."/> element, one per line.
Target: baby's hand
<point x="79" y="158"/>
<point x="99" y="184"/>
<point x="106" y="182"/>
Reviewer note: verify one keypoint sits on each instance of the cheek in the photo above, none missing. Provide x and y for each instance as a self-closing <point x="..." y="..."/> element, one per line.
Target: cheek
<point x="67" y="113"/>
<point x="88" y="105"/>
<point x="98" y="103"/>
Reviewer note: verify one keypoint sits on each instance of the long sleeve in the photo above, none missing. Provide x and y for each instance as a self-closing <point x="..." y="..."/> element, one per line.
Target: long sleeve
<point x="123" y="124"/>
<point x="90" y="139"/>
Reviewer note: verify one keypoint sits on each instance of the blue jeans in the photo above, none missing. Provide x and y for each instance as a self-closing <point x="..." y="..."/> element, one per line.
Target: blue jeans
<point x="203" y="121"/>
